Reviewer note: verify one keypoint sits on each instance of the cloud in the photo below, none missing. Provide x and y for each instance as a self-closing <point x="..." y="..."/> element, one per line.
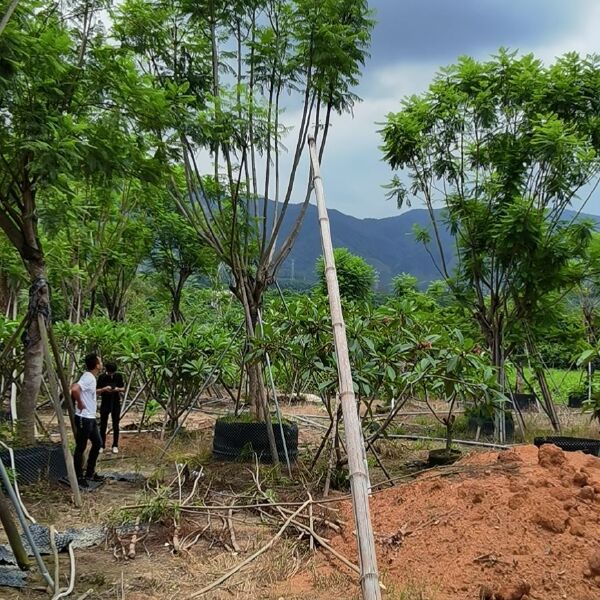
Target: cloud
<point x="405" y="59"/>
<point x="422" y="30"/>
<point x="353" y="171"/>
<point x="582" y="39"/>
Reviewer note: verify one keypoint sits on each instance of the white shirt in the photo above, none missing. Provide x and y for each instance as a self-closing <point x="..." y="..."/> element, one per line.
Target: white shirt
<point x="87" y="383"/>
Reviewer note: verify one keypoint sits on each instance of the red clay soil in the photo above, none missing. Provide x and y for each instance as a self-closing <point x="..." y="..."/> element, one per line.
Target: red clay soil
<point x="517" y="525"/>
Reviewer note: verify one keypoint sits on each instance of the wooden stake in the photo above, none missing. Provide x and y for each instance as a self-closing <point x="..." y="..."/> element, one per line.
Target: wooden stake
<point x="359" y="475"/>
<point x="12" y="533"/>
<point x="62" y="377"/>
<point x="64" y="440"/>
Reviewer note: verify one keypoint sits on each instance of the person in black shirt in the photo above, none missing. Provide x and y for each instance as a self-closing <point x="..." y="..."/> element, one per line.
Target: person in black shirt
<point x="111" y="403"/>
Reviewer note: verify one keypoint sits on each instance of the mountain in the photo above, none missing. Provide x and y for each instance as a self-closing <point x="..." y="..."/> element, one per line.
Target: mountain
<point x="388" y="244"/>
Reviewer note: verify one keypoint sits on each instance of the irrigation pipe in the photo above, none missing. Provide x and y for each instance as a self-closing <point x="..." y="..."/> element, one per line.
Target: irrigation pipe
<point x="68" y="591"/>
<point x="25" y="526"/>
<point x="459" y="442"/>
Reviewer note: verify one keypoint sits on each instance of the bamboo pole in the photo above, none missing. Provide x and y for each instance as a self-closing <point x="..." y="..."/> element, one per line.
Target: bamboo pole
<point x="12" y="533"/>
<point x="7" y="15"/>
<point x="359" y="475"/>
<point x="26" y="531"/>
<point x="62" y="377"/>
<point x="64" y="440"/>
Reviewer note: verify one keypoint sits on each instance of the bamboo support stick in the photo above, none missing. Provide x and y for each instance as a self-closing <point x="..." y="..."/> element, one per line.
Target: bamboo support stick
<point x="62" y="377"/>
<point x="56" y="562"/>
<point x="64" y="440"/>
<point x="26" y="531"/>
<point x="359" y="477"/>
<point x="12" y="533"/>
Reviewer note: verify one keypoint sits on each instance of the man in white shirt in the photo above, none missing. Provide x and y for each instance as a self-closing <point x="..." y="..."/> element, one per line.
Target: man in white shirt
<point x="84" y="394"/>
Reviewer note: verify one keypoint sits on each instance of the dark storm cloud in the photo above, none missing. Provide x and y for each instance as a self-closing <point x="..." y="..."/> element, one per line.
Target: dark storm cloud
<point x="425" y="30"/>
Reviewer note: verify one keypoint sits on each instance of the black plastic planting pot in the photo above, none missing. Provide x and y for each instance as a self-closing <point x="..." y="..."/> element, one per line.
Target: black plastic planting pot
<point x="41" y="462"/>
<point x="235" y="440"/>
<point x="576" y="399"/>
<point x="571" y="444"/>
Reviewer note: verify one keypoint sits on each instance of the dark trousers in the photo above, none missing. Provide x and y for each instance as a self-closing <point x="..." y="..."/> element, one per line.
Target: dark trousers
<point x="87" y="429"/>
<point x="110" y="407"/>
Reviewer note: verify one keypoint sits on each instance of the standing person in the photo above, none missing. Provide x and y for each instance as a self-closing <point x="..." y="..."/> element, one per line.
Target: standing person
<point x="111" y="403"/>
<point x="84" y="394"/>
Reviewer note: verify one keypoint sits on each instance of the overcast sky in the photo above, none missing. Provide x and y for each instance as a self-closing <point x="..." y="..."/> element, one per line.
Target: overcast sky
<point x="411" y="41"/>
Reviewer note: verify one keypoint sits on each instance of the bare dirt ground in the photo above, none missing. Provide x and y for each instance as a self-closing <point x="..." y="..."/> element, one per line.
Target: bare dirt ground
<point x="514" y="525"/>
<point x="485" y="522"/>
<point x="157" y="571"/>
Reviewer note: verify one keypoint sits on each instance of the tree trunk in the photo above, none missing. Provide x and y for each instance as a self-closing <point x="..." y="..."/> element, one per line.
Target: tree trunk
<point x="172" y="414"/>
<point x="519" y="382"/>
<point x="449" y="426"/>
<point x="39" y="302"/>
<point x="176" y="315"/>
<point x="176" y="294"/>
<point x="547" y="403"/>
<point x="257" y="390"/>
<point x="5" y="294"/>
<point x="496" y="344"/>
<point x="252" y="372"/>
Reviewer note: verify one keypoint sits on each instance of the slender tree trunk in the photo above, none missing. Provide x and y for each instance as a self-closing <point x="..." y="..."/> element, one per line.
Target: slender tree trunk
<point x="519" y="383"/>
<point x="39" y="300"/>
<point x="257" y="389"/>
<point x="176" y="316"/>
<point x="5" y="294"/>
<point x="173" y="419"/>
<point x="495" y="339"/>
<point x="8" y="14"/>
<point x="176" y="294"/>
<point x="252" y="368"/>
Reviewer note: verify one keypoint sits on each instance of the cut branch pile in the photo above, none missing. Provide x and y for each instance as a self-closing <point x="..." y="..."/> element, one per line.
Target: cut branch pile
<point x="202" y="514"/>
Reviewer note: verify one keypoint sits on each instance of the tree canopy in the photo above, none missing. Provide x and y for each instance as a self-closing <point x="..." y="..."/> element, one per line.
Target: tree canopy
<point x="504" y="146"/>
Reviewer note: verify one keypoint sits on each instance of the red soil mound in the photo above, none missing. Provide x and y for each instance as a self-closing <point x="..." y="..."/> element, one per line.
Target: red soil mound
<point x="517" y="525"/>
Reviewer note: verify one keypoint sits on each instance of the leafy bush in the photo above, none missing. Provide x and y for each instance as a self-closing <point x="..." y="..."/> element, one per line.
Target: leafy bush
<point x="356" y="277"/>
<point x="172" y="365"/>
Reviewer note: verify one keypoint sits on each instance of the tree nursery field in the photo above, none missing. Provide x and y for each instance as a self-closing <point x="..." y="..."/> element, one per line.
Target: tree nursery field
<point x="178" y="420"/>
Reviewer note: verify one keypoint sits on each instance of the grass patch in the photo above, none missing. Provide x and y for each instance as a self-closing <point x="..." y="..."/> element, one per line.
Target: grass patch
<point x="560" y="381"/>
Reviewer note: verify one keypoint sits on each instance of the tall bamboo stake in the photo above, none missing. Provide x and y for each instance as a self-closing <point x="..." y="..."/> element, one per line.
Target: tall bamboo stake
<point x="359" y="475"/>
<point x="26" y="531"/>
<point x="62" y="377"/>
<point x="64" y="440"/>
<point x="12" y="533"/>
